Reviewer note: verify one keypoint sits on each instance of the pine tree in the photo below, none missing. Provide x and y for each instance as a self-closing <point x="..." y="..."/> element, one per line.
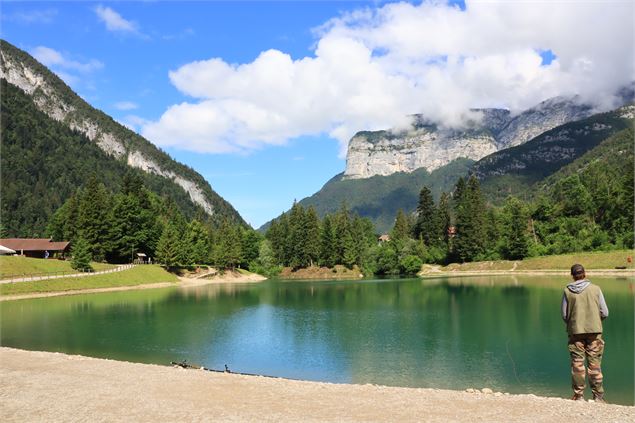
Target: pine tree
<point x="250" y="245"/>
<point x="168" y="246"/>
<point x="92" y="217"/>
<point x="229" y="254"/>
<point x="198" y="243"/>
<point x="344" y="245"/>
<point x="470" y="219"/>
<point x="444" y="218"/>
<point x="312" y="236"/>
<point x="81" y="256"/>
<point x="427" y="226"/>
<point x="515" y="230"/>
<point x="328" y="246"/>
<point x="401" y="229"/>
<point x="297" y="237"/>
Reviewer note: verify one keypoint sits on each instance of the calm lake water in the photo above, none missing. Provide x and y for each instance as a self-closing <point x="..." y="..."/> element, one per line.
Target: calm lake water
<point x="504" y="333"/>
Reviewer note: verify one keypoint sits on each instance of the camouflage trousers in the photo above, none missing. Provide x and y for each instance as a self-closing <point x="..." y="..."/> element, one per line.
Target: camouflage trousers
<point x="589" y="346"/>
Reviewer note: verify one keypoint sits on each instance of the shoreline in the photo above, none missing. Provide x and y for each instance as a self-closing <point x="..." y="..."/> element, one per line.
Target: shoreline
<point x="543" y="272"/>
<point x="183" y="283"/>
<point x="59" y="387"/>
<point x="255" y="278"/>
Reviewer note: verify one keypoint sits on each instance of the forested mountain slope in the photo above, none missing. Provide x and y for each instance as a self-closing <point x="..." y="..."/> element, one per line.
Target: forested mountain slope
<point x="52" y="139"/>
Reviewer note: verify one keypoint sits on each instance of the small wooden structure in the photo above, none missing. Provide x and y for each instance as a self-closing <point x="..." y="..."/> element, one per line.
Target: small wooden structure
<point x="384" y="238"/>
<point x="142" y="258"/>
<point x="36" y="247"/>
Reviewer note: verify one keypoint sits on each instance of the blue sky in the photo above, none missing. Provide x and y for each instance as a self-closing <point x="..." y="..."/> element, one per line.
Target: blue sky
<point x="261" y="184"/>
<point x="261" y="97"/>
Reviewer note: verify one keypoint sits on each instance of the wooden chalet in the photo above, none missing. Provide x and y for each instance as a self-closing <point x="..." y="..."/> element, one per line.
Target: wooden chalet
<point x="36" y="247"/>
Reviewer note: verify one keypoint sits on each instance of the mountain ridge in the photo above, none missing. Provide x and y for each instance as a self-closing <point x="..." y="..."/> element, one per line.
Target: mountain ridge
<point x="58" y="101"/>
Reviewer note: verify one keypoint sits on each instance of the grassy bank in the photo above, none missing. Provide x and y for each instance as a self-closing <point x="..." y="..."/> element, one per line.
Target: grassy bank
<point x="138" y="275"/>
<point x="590" y="260"/>
<point x="20" y="265"/>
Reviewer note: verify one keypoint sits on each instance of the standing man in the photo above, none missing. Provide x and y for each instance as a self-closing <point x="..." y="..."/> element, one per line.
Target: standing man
<point x="583" y="309"/>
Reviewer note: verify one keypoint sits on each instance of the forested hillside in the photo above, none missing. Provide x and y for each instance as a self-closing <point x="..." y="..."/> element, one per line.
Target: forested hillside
<point x="515" y="170"/>
<point x="43" y="162"/>
<point x="40" y="114"/>
<point x="380" y="197"/>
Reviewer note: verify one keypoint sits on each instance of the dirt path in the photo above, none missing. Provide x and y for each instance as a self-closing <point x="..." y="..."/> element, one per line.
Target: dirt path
<point x="40" y="386"/>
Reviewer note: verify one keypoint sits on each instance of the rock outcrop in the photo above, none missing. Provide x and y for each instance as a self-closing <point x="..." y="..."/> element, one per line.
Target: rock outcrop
<point x="431" y="147"/>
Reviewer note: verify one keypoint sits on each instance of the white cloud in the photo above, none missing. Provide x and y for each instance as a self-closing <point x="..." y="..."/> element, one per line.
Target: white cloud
<point x="126" y="105"/>
<point x="115" y="22"/>
<point x="54" y="59"/>
<point x="373" y="67"/>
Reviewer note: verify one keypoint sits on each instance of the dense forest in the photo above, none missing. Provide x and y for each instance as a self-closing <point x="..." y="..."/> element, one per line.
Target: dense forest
<point x="586" y="206"/>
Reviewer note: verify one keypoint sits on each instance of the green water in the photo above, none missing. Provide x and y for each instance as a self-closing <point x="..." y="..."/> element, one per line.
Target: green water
<point x="504" y="333"/>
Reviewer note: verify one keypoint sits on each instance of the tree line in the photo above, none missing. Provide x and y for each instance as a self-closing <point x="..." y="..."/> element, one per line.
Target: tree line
<point x="578" y="211"/>
<point x="114" y="227"/>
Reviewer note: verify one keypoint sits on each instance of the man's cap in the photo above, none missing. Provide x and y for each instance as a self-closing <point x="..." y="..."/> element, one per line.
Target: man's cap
<point x="577" y="269"/>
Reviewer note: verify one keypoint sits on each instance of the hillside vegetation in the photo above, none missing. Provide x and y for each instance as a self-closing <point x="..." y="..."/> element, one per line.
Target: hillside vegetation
<point x="44" y="161"/>
<point x="515" y="170"/>
<point x="380" y="197"/>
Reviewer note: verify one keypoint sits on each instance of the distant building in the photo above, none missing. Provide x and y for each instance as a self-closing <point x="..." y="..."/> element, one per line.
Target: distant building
<point x="36" y="247"/>
<point x="384" y="238"/>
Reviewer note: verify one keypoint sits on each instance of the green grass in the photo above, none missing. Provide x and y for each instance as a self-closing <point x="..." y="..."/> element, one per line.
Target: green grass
<point x="138" y="275"/>
<point x="590" y="260"/>
<point x="19" y="265"/>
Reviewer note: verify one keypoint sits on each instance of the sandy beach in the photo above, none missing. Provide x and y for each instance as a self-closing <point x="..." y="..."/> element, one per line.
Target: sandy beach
<point x="47" y="387"/>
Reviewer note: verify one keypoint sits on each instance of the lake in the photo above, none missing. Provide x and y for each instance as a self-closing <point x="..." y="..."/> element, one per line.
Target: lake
<point x="500" y="332"/>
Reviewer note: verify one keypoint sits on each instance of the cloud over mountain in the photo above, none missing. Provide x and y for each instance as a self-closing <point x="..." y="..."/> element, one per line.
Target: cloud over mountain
<point x="372" y="67"/>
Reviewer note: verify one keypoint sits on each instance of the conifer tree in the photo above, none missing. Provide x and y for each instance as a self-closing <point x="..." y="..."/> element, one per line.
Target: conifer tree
<point x="229" y="254"/>
<point x="81" y="257"/>
<point x="312" y="236"/>
<point x="427" y="226"/>
<point x="470" y="212"/>
<point x="328" y="251"/>
<point x="250" y="245"/>
<point x="401" y="229"/>
<point x="92" y="217"/>
<point x="444" y="217"/>
<point x="168" y="246"/>
<point x="198" y="241"/>
<point x="516" y="238"/>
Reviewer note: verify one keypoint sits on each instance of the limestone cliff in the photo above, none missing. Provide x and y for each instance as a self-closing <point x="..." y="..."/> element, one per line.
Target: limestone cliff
<point x="430" y="147"/>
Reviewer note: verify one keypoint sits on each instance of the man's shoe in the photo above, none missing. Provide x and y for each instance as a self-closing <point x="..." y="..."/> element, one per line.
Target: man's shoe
<point x="599" y="398"/>
<point x="577" y="397"/>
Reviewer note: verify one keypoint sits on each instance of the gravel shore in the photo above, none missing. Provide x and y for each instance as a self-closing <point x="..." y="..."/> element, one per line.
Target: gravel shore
<point x="47" y="387"/>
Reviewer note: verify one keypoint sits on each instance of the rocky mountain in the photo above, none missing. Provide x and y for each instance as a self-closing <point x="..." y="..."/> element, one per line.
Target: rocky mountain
<point x="430" y="146"/>
<point x="380" y="197"/>
<point x="121" y="148"/>
<point x="518" y="170"/>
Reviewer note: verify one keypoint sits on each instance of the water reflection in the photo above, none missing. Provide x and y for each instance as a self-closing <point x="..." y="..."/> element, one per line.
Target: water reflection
<point x="500" y="332"/>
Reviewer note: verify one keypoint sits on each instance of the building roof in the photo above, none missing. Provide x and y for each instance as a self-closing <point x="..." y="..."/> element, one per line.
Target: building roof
<point x="33" y="244"/>
<point x="5" y="250"/>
